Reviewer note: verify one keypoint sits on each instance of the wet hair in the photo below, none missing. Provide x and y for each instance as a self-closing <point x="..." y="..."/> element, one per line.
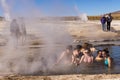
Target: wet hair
<point x="99" y="51"/>
<point x="69" y="47"/>
<point x="100" y="54"/>
<point x="78" y="47"/>
<point x="106" y="52"/>
<point x="90" y="45"/>
<point x="87" y="46"/>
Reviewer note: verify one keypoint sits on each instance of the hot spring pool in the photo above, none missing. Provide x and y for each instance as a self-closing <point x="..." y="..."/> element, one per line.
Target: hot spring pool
<point x="96" y="67"/>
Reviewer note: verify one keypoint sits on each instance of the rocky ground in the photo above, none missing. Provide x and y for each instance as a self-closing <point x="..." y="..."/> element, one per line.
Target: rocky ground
<point x="66" y="77"/>
<point x="91" y="31"/>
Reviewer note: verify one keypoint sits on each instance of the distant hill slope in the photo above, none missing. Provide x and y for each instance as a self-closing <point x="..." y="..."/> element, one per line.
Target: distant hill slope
<point x="116" y="16"/>
<point x="116" y="12"/>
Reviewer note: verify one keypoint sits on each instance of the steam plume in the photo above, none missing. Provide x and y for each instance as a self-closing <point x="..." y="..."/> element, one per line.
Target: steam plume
<point x="6" y="10"/>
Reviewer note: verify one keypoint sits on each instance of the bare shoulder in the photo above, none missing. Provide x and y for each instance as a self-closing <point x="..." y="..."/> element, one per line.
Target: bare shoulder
<point x="110" y="58"/>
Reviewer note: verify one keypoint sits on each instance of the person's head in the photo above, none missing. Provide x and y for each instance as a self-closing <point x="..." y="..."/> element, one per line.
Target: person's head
<point x="106" y="49"/>
<point x="90" y="45"/>
<point x="109" y="14"/>
<point x="78" y="47"/>
<point x="85" y="45"/>
<point x="69" y="47"/>
<point x="105" y="53"/>
<point x="99" y="52"/>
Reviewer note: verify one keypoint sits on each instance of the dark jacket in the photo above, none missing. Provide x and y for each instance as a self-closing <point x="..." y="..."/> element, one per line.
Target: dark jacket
<point x="109" y="18"/>
<point x="103" y="20"/>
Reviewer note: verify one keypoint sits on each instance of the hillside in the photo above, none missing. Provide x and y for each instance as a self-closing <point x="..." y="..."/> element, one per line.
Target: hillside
<point x="116" y="12"/>
<point x="116" y="16"/>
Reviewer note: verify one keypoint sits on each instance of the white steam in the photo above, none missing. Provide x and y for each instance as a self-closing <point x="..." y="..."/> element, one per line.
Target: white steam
<point x="23" y="59"/>
<point x="82" y="16"/>
<point x="6" y="10"/>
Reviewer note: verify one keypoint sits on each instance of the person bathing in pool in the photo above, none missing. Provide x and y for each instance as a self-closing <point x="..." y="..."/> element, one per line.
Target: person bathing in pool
<point x="66" y="55"/>
<point x="107" y="59"/>
<point x="99" y="56"/>
<point x="77" y="54"/>
<point x="87" y="57"/>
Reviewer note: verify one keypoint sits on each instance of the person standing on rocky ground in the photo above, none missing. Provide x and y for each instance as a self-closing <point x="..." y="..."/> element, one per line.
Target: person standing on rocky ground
<point x="109" y="20"/>
<point x="103" y="22"/>
<point x="66" y="55"/>
<point x="22" y="30"/>
<point x="15" y="32"/>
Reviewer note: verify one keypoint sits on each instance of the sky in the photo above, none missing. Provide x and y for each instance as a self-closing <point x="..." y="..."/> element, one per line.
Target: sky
<point x="62" y="7"/>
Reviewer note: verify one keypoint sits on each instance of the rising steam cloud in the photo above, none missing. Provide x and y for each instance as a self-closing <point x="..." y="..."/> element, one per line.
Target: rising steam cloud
<point x="24" y="60"/>
<point x="6" y="10"/>
<point x="82" y="16"/>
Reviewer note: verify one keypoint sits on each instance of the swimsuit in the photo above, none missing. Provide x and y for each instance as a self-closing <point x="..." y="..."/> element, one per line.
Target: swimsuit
<point x="79" y="55"/>
<point x="106" y="62"/>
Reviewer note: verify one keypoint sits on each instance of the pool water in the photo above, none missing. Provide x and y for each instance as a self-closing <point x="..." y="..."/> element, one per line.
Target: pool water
<point x="96" y="67"/>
